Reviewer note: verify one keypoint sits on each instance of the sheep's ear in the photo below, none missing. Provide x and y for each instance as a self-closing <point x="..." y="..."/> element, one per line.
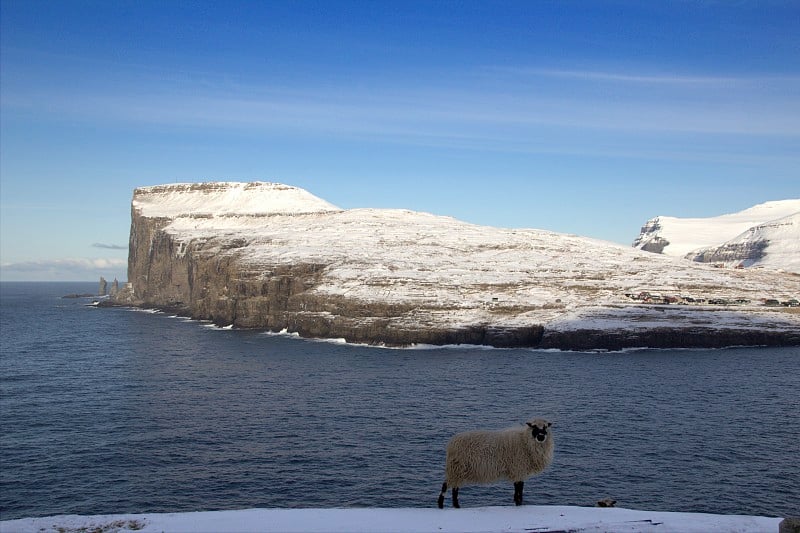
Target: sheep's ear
<point x="549" y="424"/>
<point x="529" y="424"/>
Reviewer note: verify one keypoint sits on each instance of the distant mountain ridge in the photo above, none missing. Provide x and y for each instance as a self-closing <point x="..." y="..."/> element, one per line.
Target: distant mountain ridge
<point x="766" y="235"/>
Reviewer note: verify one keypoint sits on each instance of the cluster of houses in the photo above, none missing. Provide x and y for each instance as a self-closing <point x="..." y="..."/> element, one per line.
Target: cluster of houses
<point x="656" y="298"/>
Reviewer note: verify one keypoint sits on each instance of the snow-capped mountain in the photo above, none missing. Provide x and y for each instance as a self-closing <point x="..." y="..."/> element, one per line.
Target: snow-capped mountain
<point x="271" y="256"/>
<point x="775" y="244"/>
<point x="766" y="235"/>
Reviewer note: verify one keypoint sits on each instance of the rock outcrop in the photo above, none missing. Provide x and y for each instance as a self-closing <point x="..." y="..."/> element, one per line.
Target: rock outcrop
<point x="269" y="256"/>
<point x="735" y="254"/>
<point x="649" y="239"/>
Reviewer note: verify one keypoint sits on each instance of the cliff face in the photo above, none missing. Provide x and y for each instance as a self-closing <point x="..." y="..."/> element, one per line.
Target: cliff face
<point x="208" y="280"/>
<point x="274" y="257"/>
<point x="649" y="239"/>
<point x="203" y="278"/>
<point x="740" y="253"/>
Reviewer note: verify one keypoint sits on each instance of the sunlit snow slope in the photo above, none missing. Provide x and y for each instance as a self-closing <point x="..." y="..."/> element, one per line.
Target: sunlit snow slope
<point x="775" y="244"/>
<point x="227" y="199"/>
<point x="765" y="235"/>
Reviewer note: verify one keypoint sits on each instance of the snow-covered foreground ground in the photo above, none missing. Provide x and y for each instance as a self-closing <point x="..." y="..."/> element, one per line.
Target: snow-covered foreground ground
<point x="530" y="518"/>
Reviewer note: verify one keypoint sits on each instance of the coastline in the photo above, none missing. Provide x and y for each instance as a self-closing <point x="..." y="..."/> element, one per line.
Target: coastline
<point x="632" y="331"/>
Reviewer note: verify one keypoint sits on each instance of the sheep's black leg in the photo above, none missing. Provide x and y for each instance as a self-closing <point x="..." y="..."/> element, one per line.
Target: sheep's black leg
<point x="518" y="492"/>
<point x="455" y="498"/>
<point x="441" y="495"/>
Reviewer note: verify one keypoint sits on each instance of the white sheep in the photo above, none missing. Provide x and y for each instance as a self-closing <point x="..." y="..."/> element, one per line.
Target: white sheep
<point x="479" y="457"/>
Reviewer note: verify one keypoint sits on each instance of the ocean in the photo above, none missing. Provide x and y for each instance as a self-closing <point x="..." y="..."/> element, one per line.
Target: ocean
<point x="127" y="411"/>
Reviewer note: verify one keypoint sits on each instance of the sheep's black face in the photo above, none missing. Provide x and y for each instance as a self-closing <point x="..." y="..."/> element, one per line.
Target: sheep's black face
<point x="539" y="432"/>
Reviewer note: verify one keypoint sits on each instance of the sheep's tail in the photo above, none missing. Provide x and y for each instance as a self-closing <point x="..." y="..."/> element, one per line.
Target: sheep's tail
<point x="442" y="494"/>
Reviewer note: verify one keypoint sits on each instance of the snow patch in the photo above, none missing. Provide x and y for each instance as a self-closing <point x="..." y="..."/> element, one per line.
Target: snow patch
<point x="217" y="199"/>
<point x="528" y="518"/>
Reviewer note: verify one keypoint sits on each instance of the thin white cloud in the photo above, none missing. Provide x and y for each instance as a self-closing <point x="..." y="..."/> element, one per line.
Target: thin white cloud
<point x="439" y="112"/>
<point x="72" y="269"/>
<point x="645" y="77"/>
<point x="541" y="110"/>
<point x="109" y="246"/>
<point x="622" y="77"/>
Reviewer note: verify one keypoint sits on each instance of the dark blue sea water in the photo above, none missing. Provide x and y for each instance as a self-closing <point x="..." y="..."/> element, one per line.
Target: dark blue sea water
<point x="114" y="410"/>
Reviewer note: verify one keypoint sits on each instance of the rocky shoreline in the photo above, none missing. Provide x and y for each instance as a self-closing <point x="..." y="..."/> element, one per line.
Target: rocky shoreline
<point x="381" y="332"/>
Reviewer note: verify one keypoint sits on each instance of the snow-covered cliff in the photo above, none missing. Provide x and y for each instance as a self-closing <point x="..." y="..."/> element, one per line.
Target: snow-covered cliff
<point x="775" y="244"/>
<point x="766" y="235"/>
<point x="276" y="257"/>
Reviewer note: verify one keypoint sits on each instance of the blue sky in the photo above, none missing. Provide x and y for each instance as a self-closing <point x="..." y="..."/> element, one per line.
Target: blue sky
<point x="572" y="116"/>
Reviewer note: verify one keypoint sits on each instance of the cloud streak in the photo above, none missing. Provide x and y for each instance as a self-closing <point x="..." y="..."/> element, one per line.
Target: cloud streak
<point x="75" y="269"/>
<point x="109" y="246"/>
<point x="649" y="78"/>
<point x="767" y="111"/>
<point x="518" y="109"/>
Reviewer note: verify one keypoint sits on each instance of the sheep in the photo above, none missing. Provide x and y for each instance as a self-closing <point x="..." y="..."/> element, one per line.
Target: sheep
<point x="480" y="457"/>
